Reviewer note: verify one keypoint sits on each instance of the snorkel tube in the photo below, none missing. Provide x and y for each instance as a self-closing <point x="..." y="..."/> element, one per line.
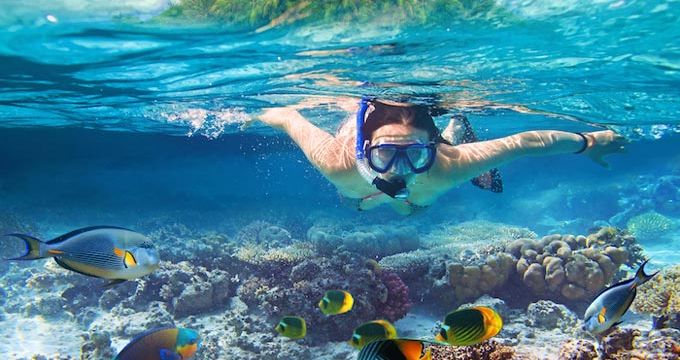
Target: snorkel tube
<point x="394" y="188"/>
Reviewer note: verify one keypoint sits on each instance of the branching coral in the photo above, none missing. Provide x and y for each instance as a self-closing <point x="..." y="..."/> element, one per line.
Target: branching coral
<point x="650" y="226"/>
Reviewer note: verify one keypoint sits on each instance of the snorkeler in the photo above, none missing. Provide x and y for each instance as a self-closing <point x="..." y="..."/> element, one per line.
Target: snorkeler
<point x="395" y="154"/>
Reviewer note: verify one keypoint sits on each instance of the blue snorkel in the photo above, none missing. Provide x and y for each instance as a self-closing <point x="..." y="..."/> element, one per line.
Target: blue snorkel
<point x="394" y="188"/>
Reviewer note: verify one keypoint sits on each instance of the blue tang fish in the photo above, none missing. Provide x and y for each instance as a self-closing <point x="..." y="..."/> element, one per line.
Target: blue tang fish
<point x="610" y="305"/>
<point x="106" y="252"/>
<point x="166" y="343"/>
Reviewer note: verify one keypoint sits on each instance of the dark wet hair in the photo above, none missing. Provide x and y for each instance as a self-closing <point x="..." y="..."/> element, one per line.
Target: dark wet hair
<point x="418" y="116"/>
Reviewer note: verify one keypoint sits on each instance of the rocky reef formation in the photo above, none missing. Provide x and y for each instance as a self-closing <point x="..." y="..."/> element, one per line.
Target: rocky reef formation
<point x="295" y="289"/>
<point x="372" y="242"/>
<point x="564" y="268"/>
<point x="570" y="268"/>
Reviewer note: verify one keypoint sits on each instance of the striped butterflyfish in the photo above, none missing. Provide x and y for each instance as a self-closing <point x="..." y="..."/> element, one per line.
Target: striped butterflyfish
<point x="470" y="326"/>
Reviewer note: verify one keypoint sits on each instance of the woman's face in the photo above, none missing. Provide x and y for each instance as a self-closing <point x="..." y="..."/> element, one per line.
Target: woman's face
<point x="399" y="134"/>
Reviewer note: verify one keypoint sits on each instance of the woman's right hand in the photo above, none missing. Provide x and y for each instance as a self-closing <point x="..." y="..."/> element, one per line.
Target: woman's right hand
<point x="603" y="143"/>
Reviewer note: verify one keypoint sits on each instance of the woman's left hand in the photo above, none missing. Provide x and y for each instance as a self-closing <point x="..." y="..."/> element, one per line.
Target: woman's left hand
<point x="603" y="143"/>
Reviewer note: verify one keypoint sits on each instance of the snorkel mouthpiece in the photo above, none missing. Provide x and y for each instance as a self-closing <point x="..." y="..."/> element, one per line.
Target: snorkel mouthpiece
<point x="394" y="188"/>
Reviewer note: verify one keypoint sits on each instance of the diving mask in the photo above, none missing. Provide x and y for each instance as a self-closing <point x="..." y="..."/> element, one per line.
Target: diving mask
<point x="417" y="157"/>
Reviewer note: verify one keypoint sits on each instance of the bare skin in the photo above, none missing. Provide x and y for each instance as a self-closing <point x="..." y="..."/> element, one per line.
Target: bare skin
<point x="334" y="155"/>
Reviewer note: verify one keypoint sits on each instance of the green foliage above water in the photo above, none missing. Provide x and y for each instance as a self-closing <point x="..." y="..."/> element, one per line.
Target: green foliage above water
<point x="257" y="13"/>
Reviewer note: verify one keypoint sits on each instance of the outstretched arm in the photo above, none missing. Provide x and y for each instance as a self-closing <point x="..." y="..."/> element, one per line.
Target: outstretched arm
<point x="332" y="156"/>
<point x="469" y="160"/>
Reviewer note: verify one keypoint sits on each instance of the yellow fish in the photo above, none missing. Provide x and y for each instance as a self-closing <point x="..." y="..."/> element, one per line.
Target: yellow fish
<point x="293" y="327"/>
<point x="372" y="331"/>
<point x="336" y="302"/>
<point x="470" y="326"/>
<point x="404" y="349"/>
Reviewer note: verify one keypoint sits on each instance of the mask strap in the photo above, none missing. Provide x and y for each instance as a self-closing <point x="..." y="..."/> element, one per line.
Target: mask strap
<point x="361" y="116"/>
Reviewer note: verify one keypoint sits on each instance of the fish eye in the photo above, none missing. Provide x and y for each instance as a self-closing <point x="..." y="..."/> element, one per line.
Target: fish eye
<point x="324" y="302"/>
<point x="442" y="332"/>
<point x="355" y="339"/>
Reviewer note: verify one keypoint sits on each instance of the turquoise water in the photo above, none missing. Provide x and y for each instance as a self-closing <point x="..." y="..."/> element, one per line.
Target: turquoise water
<point x="110" y="117"/>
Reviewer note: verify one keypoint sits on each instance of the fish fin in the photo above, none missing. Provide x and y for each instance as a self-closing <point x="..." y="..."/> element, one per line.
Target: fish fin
<point x="166" y="354"/>
<point x="113" y="283"/>
<point x="601" y="316"/>
<point x="617" y="324"/>
<point x="33" y="246"/>
<point x="80" y="231"/>
<point x="641" y="277"/>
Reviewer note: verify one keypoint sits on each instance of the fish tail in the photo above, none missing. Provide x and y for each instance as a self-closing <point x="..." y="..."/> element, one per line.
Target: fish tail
<point x="33" y="247"/>
<point x="641" y="277"/>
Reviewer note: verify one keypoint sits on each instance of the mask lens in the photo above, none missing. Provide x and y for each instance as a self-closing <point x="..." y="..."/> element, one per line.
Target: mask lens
<point x="419" y="156"/>
<point x="381" y="157"/>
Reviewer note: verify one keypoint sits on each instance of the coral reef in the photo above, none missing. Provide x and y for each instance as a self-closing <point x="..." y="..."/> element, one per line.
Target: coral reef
<point x="564" y="268"/>
<point x="97" y="346"/>
<point x="370" y="241"/>
<point x="577" y="350"/>
<point x="623" y="344"/>
<point x="395" y="303"/>
<point x="570" y="268"/>
<point x="177" y="242"/>
<point x="471" y="281"/>
<point x="296" y="290"/>
<point x="548" y="315"/>
<point x="660" y="296"/>
<point x="490" y="349"/>
<point x="650" y="226"/>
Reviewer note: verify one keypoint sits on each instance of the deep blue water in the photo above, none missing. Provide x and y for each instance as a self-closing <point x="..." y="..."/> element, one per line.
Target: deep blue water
<point x="110" y="120"/>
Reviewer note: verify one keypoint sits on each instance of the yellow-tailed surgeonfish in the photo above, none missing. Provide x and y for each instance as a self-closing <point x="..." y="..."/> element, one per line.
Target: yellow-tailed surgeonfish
<point x="293" y="327"/>
<point x="610" y="305"/>
<point x="167" y="343"/>
<point x="470" y="326"/>
<point x="336" y="302"/>
<point x="106" y="252"/>
<point x="395" y="349"/>
<point x="372" y="331"/>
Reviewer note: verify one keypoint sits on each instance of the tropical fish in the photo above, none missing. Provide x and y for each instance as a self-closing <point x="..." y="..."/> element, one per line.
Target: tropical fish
<point x="470" y="326"/>
<point x="395" y="349"/>
<point x="293" y="327"/>
<point x="106" y="252"/>
<point x="336" y="302"/>
<point x="372" y="331"/>
<point x="167" y="343"/>
<point x="610" y="305"/>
